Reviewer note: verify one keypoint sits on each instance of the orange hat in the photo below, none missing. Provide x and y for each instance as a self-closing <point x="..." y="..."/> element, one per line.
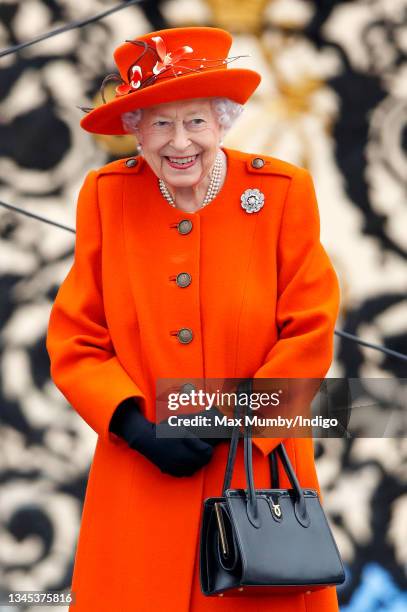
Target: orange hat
<point x="169" y="65"/>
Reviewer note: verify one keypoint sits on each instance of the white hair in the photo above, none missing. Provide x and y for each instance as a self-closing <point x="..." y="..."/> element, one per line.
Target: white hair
<point x="226" y="111"/>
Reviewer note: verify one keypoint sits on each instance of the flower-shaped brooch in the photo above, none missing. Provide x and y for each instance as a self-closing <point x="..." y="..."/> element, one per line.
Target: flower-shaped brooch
<point x="252" y="200"/>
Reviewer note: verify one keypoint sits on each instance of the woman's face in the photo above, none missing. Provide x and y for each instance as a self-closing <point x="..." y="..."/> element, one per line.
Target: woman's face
<point x="172" y="131"/>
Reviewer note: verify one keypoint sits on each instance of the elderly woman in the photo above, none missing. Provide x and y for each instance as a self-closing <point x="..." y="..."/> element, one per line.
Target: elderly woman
<point x="192" y="260"/>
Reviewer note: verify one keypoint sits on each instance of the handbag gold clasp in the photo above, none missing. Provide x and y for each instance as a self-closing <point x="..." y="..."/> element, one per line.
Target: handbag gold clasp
<point x="276" y="508"/>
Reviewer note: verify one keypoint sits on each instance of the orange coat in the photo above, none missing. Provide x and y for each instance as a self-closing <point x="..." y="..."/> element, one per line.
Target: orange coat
<point x="263" y="302"/>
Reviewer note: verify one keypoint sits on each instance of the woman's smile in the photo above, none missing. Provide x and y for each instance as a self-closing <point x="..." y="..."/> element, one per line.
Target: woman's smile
<point x="181" y="163"/>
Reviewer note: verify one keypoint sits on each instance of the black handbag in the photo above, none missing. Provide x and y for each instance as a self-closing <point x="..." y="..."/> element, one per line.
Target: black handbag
<point x="265" y="541"/>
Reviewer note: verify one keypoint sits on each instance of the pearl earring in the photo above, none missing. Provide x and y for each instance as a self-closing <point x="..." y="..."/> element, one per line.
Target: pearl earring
<point x="139" y="149"/>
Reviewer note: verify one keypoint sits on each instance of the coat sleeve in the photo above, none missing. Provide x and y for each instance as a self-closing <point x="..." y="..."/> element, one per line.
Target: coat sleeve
<point x="307" y="297"/>
<point x="84" y="365"/>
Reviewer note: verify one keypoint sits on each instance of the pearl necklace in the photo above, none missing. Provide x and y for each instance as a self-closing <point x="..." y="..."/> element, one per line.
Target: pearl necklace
<point x="213" y="187"/>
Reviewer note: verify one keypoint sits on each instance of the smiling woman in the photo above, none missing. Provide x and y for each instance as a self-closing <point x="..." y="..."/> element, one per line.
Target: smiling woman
<point x="192" y="261"/>
<point x="180" y="141"/>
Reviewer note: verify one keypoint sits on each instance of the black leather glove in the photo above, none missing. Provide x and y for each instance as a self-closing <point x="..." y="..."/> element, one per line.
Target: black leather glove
<point x="174" y="456"/>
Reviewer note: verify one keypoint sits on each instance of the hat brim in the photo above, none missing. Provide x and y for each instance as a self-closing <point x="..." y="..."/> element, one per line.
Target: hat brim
<point x="238" y="84"/>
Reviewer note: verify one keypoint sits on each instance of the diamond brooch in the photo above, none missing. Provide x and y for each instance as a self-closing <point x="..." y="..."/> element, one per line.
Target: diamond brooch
<point x="252" y="200"/>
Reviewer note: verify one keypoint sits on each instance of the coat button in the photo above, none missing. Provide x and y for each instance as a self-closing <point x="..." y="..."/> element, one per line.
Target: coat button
<point x="184" y="226"/>
<point x="183" y="279"/>
<point x="184" y="335"/>
<point x="187" y="388"/>
<point x="131" y="162"/>
<point x="258" y="162"/>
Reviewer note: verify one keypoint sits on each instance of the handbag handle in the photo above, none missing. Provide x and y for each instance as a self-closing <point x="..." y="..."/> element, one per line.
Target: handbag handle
<point x="233" y="448"/>
<point x="234" y="440"/>
<point x="274" y="477"/>
<point x="252" y="507"/>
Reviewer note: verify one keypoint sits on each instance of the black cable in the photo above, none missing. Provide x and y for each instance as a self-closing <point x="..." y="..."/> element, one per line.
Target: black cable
<point x="338" y="332"/>
<point x="370" y="345"/>
<point x="34" y="216"/>
<point x="69" y="26"/>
